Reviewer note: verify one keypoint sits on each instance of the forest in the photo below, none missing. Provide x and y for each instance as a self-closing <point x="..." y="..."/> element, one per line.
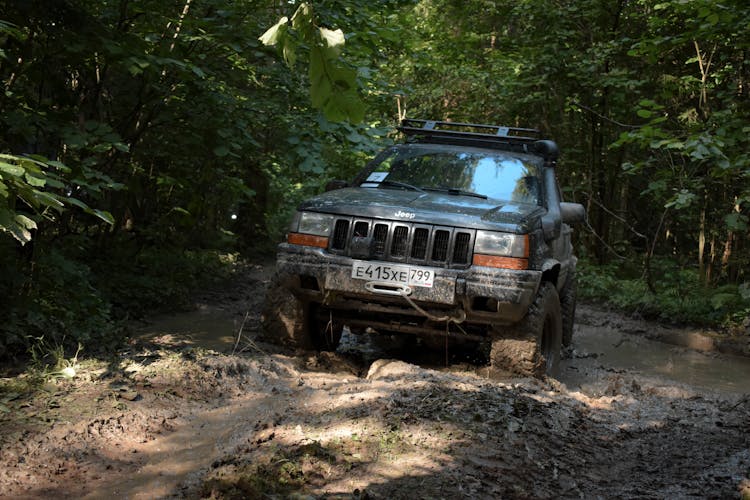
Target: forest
<point x="148" y="146"/>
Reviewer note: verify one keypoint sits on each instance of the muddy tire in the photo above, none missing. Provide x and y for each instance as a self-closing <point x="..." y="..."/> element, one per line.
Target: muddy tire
<point x="288" y="320"/>
<point x="532" y="347"/>
<point x="568" y="298"/>
<point x="325" y="330"/>
<point x="285" y="317"/>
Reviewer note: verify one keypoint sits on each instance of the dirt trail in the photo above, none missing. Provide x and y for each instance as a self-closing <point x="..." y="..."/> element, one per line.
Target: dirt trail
<point x="169" y="419"/>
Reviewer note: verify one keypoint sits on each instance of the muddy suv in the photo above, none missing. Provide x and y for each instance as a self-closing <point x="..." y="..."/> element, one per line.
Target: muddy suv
<point x="458" y="234"/>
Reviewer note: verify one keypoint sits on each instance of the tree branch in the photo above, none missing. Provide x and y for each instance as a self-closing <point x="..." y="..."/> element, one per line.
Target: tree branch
<point x="619" y="124"/>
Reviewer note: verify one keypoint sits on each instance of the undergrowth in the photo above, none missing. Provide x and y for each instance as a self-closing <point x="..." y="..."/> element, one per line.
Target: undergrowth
<point x="678" y="295"/>
<point x="60" y="300"/>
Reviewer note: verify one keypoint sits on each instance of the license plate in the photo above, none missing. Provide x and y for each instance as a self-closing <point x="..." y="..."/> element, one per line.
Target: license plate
<point x="393" y="273"/>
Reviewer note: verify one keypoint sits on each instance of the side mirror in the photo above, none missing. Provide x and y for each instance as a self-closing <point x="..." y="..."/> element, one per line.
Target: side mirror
<point x="572" y="213"/>
<point x="336" y="184"/>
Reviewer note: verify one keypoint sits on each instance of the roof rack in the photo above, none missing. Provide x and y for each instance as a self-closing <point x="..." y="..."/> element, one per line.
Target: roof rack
<point x="499" y="133"/>
<point x="527" y="140"/>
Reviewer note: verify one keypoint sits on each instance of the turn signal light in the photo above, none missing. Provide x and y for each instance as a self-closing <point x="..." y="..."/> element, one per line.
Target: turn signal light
<point x="501" y="262"/>
<point x="308" y="240"/>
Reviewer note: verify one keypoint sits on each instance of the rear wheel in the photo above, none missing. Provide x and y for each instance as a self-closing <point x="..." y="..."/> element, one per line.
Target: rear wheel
<point x="568" y="298"/>
<point x="532" y="347"/>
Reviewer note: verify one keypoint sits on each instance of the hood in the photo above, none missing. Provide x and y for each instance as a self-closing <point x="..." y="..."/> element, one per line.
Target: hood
<point x="430" y="208"/>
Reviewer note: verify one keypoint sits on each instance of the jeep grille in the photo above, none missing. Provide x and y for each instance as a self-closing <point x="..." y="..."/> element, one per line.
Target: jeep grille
<point x="405" y="242"/>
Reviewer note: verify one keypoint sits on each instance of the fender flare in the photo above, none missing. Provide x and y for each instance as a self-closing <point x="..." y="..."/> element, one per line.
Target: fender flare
<point x="551" y="271"/>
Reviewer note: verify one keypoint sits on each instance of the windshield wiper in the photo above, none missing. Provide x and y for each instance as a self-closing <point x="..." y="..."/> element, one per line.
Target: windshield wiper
<point x="458" y="192"/>
<point x="401" y="185"/>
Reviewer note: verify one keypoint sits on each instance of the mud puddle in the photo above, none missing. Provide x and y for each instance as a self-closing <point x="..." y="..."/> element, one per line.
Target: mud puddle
<point x="205" y="327"/>
<point x="596" y="348"/>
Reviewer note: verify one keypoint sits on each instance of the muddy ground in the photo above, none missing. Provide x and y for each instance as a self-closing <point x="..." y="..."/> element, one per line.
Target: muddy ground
<point x="176" y="414"/>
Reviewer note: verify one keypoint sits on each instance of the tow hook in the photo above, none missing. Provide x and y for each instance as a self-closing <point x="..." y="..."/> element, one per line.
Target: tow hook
<point x="386" y="288"/>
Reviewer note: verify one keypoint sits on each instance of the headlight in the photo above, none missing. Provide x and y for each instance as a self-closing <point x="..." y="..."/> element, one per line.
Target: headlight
<point x="310" y="229"/>
<point x="505" y="244"/>
<point x="501" y="250"/>
<point x="314" y="223"/>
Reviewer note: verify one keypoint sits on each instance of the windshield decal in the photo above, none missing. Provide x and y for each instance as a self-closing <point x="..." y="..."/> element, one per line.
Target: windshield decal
<point x="377" y="176"/>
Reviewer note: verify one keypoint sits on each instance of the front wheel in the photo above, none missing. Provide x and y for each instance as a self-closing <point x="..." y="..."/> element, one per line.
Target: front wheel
<point x="292" y="321"/>
<point x="325" y="329"/>
<point x="532" y="347"/>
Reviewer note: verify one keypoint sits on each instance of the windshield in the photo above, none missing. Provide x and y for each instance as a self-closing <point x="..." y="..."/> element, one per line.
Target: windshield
<point x="486" y="173"/>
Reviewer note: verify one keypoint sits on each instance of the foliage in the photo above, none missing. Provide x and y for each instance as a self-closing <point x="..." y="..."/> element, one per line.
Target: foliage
<point x="680" y="296"/>
<point x="37" y="182"/>
<point x="138" y="136"/>
<point x="333" y="85"/>
<point x="55" y="304"/>
<point x="63" y="302"/>
<point x="648" y="101"/>
<point x="169" y="122"/>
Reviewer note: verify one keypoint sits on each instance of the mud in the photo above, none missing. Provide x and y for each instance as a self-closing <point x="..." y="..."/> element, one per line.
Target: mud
<point x="172" y="418"/>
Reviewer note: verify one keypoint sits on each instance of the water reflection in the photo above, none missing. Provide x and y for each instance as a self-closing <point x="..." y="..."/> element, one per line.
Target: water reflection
<point x="596" y="346"/>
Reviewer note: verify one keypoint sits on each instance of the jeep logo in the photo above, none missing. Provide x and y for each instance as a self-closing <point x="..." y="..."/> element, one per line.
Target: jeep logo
<point x="405" y="215"/>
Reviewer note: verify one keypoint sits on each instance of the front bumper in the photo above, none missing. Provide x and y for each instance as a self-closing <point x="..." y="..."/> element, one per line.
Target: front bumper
<point x="483" y="295"/>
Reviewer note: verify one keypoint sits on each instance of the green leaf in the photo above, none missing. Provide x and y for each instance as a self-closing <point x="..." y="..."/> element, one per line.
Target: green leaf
<point x="35" y="180"/>
<point x="14" y="170"/>
<point x="721" y="300"/>
<point x="24" y="221"/>
<point x="198" y="72"/>
<point x="58" y="165"/>
<point x="333" y="41"/>
<point x="78" y="203"/>
<point x="101" y="214"/>
<point x="320" y="86"/>
<point x="302" y="20"/>
<point x="682" y="199"/>
<point x="275" y="33"/>
<point x="289" y="51"/>
<point x="736" y="222"/>
<point x="312" y="164"/>
<point x="46" y="199"/>
<point x="11" y="29"/>
<point x="9" y="225"/>
<point x="644" y="113"/>
<point x="179" y="210"/>
<point x="345" y="106"/>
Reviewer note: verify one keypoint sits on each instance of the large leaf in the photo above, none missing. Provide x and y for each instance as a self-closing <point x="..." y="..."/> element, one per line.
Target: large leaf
<point x="333" y="41"/>
<point x="10" y="225"/>
<point x="275" y="33"/>
<point x="302" y="20"/>
<point x="289" y="51"/>
<point x="320" y="85"/>
<point x="10" y="169"/>
<point x="333" y="88"/>
<point x="101" y="214"/>
<point x="736" y="222"/>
